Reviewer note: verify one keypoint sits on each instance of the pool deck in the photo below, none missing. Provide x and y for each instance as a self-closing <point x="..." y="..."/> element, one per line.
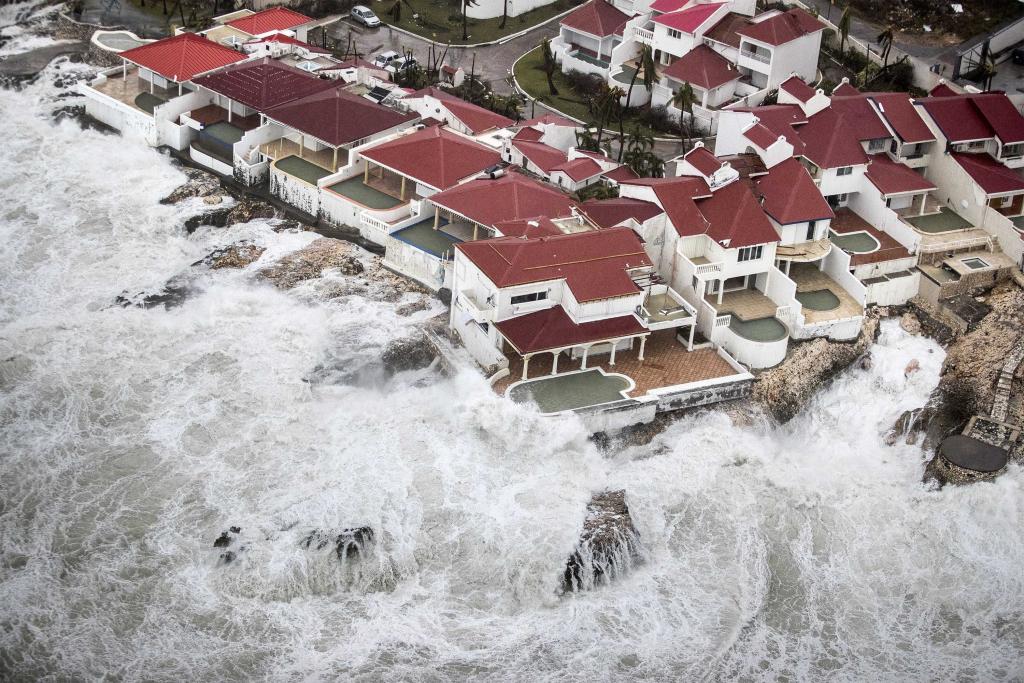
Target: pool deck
<point x="424" y="237"/>
<point x="301" y="169"/>
<point x="571" y="391"/>
<point x="944" y="220"/>
<point x="283" y="147"/>
<point x="846" y="221"/>
<point x="746" y="304"/>
<point x="212" y="114"/>
<point x="666" y="363"/>
<point x="809" y="279"/>
<point x="125" y="90"/>
<point x="364" y="194"/>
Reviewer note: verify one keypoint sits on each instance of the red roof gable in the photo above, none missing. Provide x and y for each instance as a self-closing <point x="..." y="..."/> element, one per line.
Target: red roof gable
<point x="957" y="118"/>
<point x="542" y="156"/>
<point x="664" y="6"/>
<point x="1002" y="116"/>
<point x="288" y="40"/>
<point x="990" y="175"/>
<point x="942" y="90"/>
<point x="761" y="136"/>
<point x="608" y="213"/>
<point x="273" y="19"/>
<point x="477" y="119"/>
<point x="434" y="156"/>
<point x="263" y="83"/>
<point x="899" y="112"/>
<point x="702" y="67"/>
<point x="508" y="198"/>
<point x="528" y="135"/>
<point x="893" y="178"/>
<point x="825" y="143"/>
<point x="782" y="28"/>
<point x="337" y="118"/>
<point x="182" y="57"/>
<point x="844" y="90"/>
<point x="790" y="195"/>
<point x="863" y="119"/>
<point x="553" y="328"/>
<point x="552" y="119"/>
<point x="598" y="18"/>
<point x="797" y="88"/>
<point x="579" y="169"/>
<point x="621" y="173"/>
<point x="689" y="19"/>
<point x="725" y="31"/>
<point x="593" y="264"/>
<point x="703" y="160"/>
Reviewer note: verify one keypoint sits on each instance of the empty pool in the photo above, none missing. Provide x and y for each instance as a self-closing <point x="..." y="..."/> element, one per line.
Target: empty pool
<point x="818" y="300"/>
<point x="975" y="263"/>
<point x="118" y="41"/>
<point x="759" y="329"/>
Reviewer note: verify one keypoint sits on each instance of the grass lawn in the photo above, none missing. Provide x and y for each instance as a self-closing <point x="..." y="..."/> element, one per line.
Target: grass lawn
<point x="531" y="78"/>
<point x="440" y="21"/>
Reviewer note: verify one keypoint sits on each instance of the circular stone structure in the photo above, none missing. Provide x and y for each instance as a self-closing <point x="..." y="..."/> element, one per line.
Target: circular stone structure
<point x="963" y="459"/>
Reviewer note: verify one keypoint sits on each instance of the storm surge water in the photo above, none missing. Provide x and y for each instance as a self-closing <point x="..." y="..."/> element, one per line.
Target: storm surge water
<point x="130" y="438"/>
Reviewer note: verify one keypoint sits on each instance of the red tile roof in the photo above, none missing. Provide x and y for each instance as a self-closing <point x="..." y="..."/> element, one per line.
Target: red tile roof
<point x="899" y="112"/>
<point x="528" y="135"/>
<point x="621" y="173"/>
<point x="597" y="18"/>
<point x="273" y="19"/>
<point x="668" y="5"/>
<point x="797" y="88"/>
<point x="961" y="119"/>
<point x="863" y="119"/>
<point x="554" y="119"/>
<point x="780" y="119"/>
<point x="182" y="57"/>
<point x="263" y="83"/>
<point x="844" y="90"/>
<point x="702" y="67"/>
<point x="893" y="178"/>
<point x="689" y="19"/>
<point x="337" y="118"/>
<point x="608" y="213"/>
<point x="579" y="169"/>
<point x="434" y="156"/>
<point x="288" y="40"/>
<point x="731" y="215"/>
<point x="535" y="226"/>
<point x="703" y="160"/>
<point x="942" y="90"/>
<point x="593" y="264"/>
<point x="542" y="156"/>
<point x="508" y="198"/>
<point x="725" y="31"/>
<point x="761" y="136"/>
<point x="1002" y="116"/>
<point x="477" y="119"/>
<point x="825" y="144"/>
<point x="990" y="175"/>
<point x="553" y="328"/>
<point x="790" y="195"/>
<point x="782" y="28"/>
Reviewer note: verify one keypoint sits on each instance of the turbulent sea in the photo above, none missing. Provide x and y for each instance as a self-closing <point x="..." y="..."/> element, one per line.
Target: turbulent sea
<point x="130" y="438"/>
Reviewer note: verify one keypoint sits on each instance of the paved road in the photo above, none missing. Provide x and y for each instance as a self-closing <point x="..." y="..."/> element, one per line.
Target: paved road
<point x="28" y="64"/>
<point x="139" y="21"/>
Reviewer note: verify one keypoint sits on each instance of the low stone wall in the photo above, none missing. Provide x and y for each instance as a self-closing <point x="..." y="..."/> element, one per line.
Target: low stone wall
<point x="100" y="57"/>
<point x="70" y="29"/>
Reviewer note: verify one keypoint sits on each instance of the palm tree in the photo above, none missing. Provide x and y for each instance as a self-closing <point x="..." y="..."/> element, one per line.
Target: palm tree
<point x="504" y="13"/>
<point x="844" y="29"/>
<point x="645" y="65"/>
<point x="683" y="100"/>
<point x="550" y="65"/>
<point x="607" y="102"/>
<point x="466" y="4"/>
<point x="885" y="39"/>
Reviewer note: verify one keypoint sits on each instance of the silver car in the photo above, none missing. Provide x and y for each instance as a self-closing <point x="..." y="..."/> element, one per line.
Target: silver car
<point x="365" y="16"/>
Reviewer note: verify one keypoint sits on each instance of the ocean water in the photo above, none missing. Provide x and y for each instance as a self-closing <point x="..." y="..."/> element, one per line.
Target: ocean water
<point x="130" y="438"/>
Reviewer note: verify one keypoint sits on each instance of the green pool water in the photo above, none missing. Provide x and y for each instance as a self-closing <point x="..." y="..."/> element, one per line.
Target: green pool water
<point x="759" y="329"/>
<point x="353" y="188"/>
<point x="300" y="168"/>
<point x="855" y="242"/>
<point x="818" y="300"/>
<point x="569" y="392"/>
<point x="223" y="132"/>
<point x="423" y="236"/>
<point x="944" y="221"/>
<point x="147" y="102"/>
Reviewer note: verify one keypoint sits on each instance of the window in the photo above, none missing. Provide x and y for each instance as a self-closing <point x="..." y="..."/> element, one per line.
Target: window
<point x="1006" y="202"/>
<point x="811" y="228"/>
<point x="1010" y="151"/>
<point x="845" y="170"/>
<point x="877" y="145"/>
<point x="527" y="298"/>
<point x="672" y="33"/>
<point x="750" y="253"/>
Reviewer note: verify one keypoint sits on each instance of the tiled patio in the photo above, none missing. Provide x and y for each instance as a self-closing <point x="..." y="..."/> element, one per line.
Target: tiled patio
<point x="283" y="147"/>
<point x="365" y="195"/>
<point x="211" y="114"/>
<point x="748" y="304"/>
<point x="809" y="279"/>
<point x="847" y="222"/>
<point x="127" y="90"/>
<point x="666" y="363"/>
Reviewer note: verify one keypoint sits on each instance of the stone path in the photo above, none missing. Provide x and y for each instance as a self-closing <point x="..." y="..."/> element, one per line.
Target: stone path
<point x="1001" y="402"/>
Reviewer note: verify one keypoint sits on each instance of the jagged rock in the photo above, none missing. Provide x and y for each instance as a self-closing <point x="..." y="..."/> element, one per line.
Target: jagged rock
<point x="235" y="529"/>
<point x="172" y="294"/>
<point x="249" y="210"/>
<point x="810" y="365"/>
<point x="408" y="353"/>
<point x="913" y="366"/>
<point x="223" y="541"/>
<point x="234" y="256"/>
<point x="445" y="295"/>
<point x="416" y="306"/>
<point x="349" y="544"/>
<point x="198" y="184"/>
<point x="866" y="362"/>
<point x="228" y="557"/>
<point x="608" y="547"/>
<point x="310" y="262"/>
<point x="218" y="218"/>
<point x="910" y="323"/>
<point x="213" y="199"/>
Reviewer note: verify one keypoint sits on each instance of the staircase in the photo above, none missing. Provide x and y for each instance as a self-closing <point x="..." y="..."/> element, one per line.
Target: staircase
<point x="1001" y="402"/>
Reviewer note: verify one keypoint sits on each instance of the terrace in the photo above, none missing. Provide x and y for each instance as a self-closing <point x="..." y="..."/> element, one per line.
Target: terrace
<point x="329" y="159"/>
<point x="425" y="237"/>
<point x="135" y="92"/>
<point x="666" y="363"/>
<point x="370" y="195"/>
<point x="864" y="243"/>
<point x="823" y="299"/>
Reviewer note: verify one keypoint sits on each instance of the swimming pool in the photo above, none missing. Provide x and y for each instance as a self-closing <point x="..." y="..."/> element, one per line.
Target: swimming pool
<point x="759" y="329"/>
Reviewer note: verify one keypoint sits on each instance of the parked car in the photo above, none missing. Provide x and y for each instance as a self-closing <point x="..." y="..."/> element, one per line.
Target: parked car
<point x="401" y="64"/>
<point x="365" y="16"/>
<point x="385" y="58"/>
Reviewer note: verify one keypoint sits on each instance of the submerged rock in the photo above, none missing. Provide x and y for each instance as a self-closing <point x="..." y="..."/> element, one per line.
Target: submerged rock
<point x="235" y="256"/>
<point x="408" y="353"/>
<point x="197" y="184"/>
<point x="311" y="261"/>
<point x="810" y="365"/>
<point x="910" y="323"/>
<point x="223" y="541"/>
<point x="608" y="547"/>
<point x="349" y="544"/>
<point x="172" y="294"/>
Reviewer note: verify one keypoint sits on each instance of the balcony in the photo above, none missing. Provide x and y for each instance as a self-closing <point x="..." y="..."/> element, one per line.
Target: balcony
<point x="705" y="269"/>
<point x="644" y="36"/>
<point x="664" y="308"/>
<point x="480" y="312"/>
<point x="757" y="56"/>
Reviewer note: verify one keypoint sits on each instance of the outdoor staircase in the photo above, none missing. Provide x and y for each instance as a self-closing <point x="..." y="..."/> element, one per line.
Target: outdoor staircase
<point x="1001" y="402"/>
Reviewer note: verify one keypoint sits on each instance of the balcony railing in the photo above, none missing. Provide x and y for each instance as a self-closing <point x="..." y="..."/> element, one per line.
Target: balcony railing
<point x="643" y="35"/>
<point x="479" y="312"/>
<point x="757" y="56"/>
<point x="708" y="269"/>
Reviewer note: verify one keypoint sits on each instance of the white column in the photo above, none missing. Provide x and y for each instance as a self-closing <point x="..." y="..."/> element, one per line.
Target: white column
<point x="693" y="328"/>
<point x="554" y="362"/>
<point x="721" y="290"/>
<point x="179" y="89"/>
<point x="229" y="111"/>
<point x="124" y="70"/>
<point x="612" y="361"/>
<point x="586" y="350"/>
<point x="643" y="342"/>
<point x="526" y="365"/>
